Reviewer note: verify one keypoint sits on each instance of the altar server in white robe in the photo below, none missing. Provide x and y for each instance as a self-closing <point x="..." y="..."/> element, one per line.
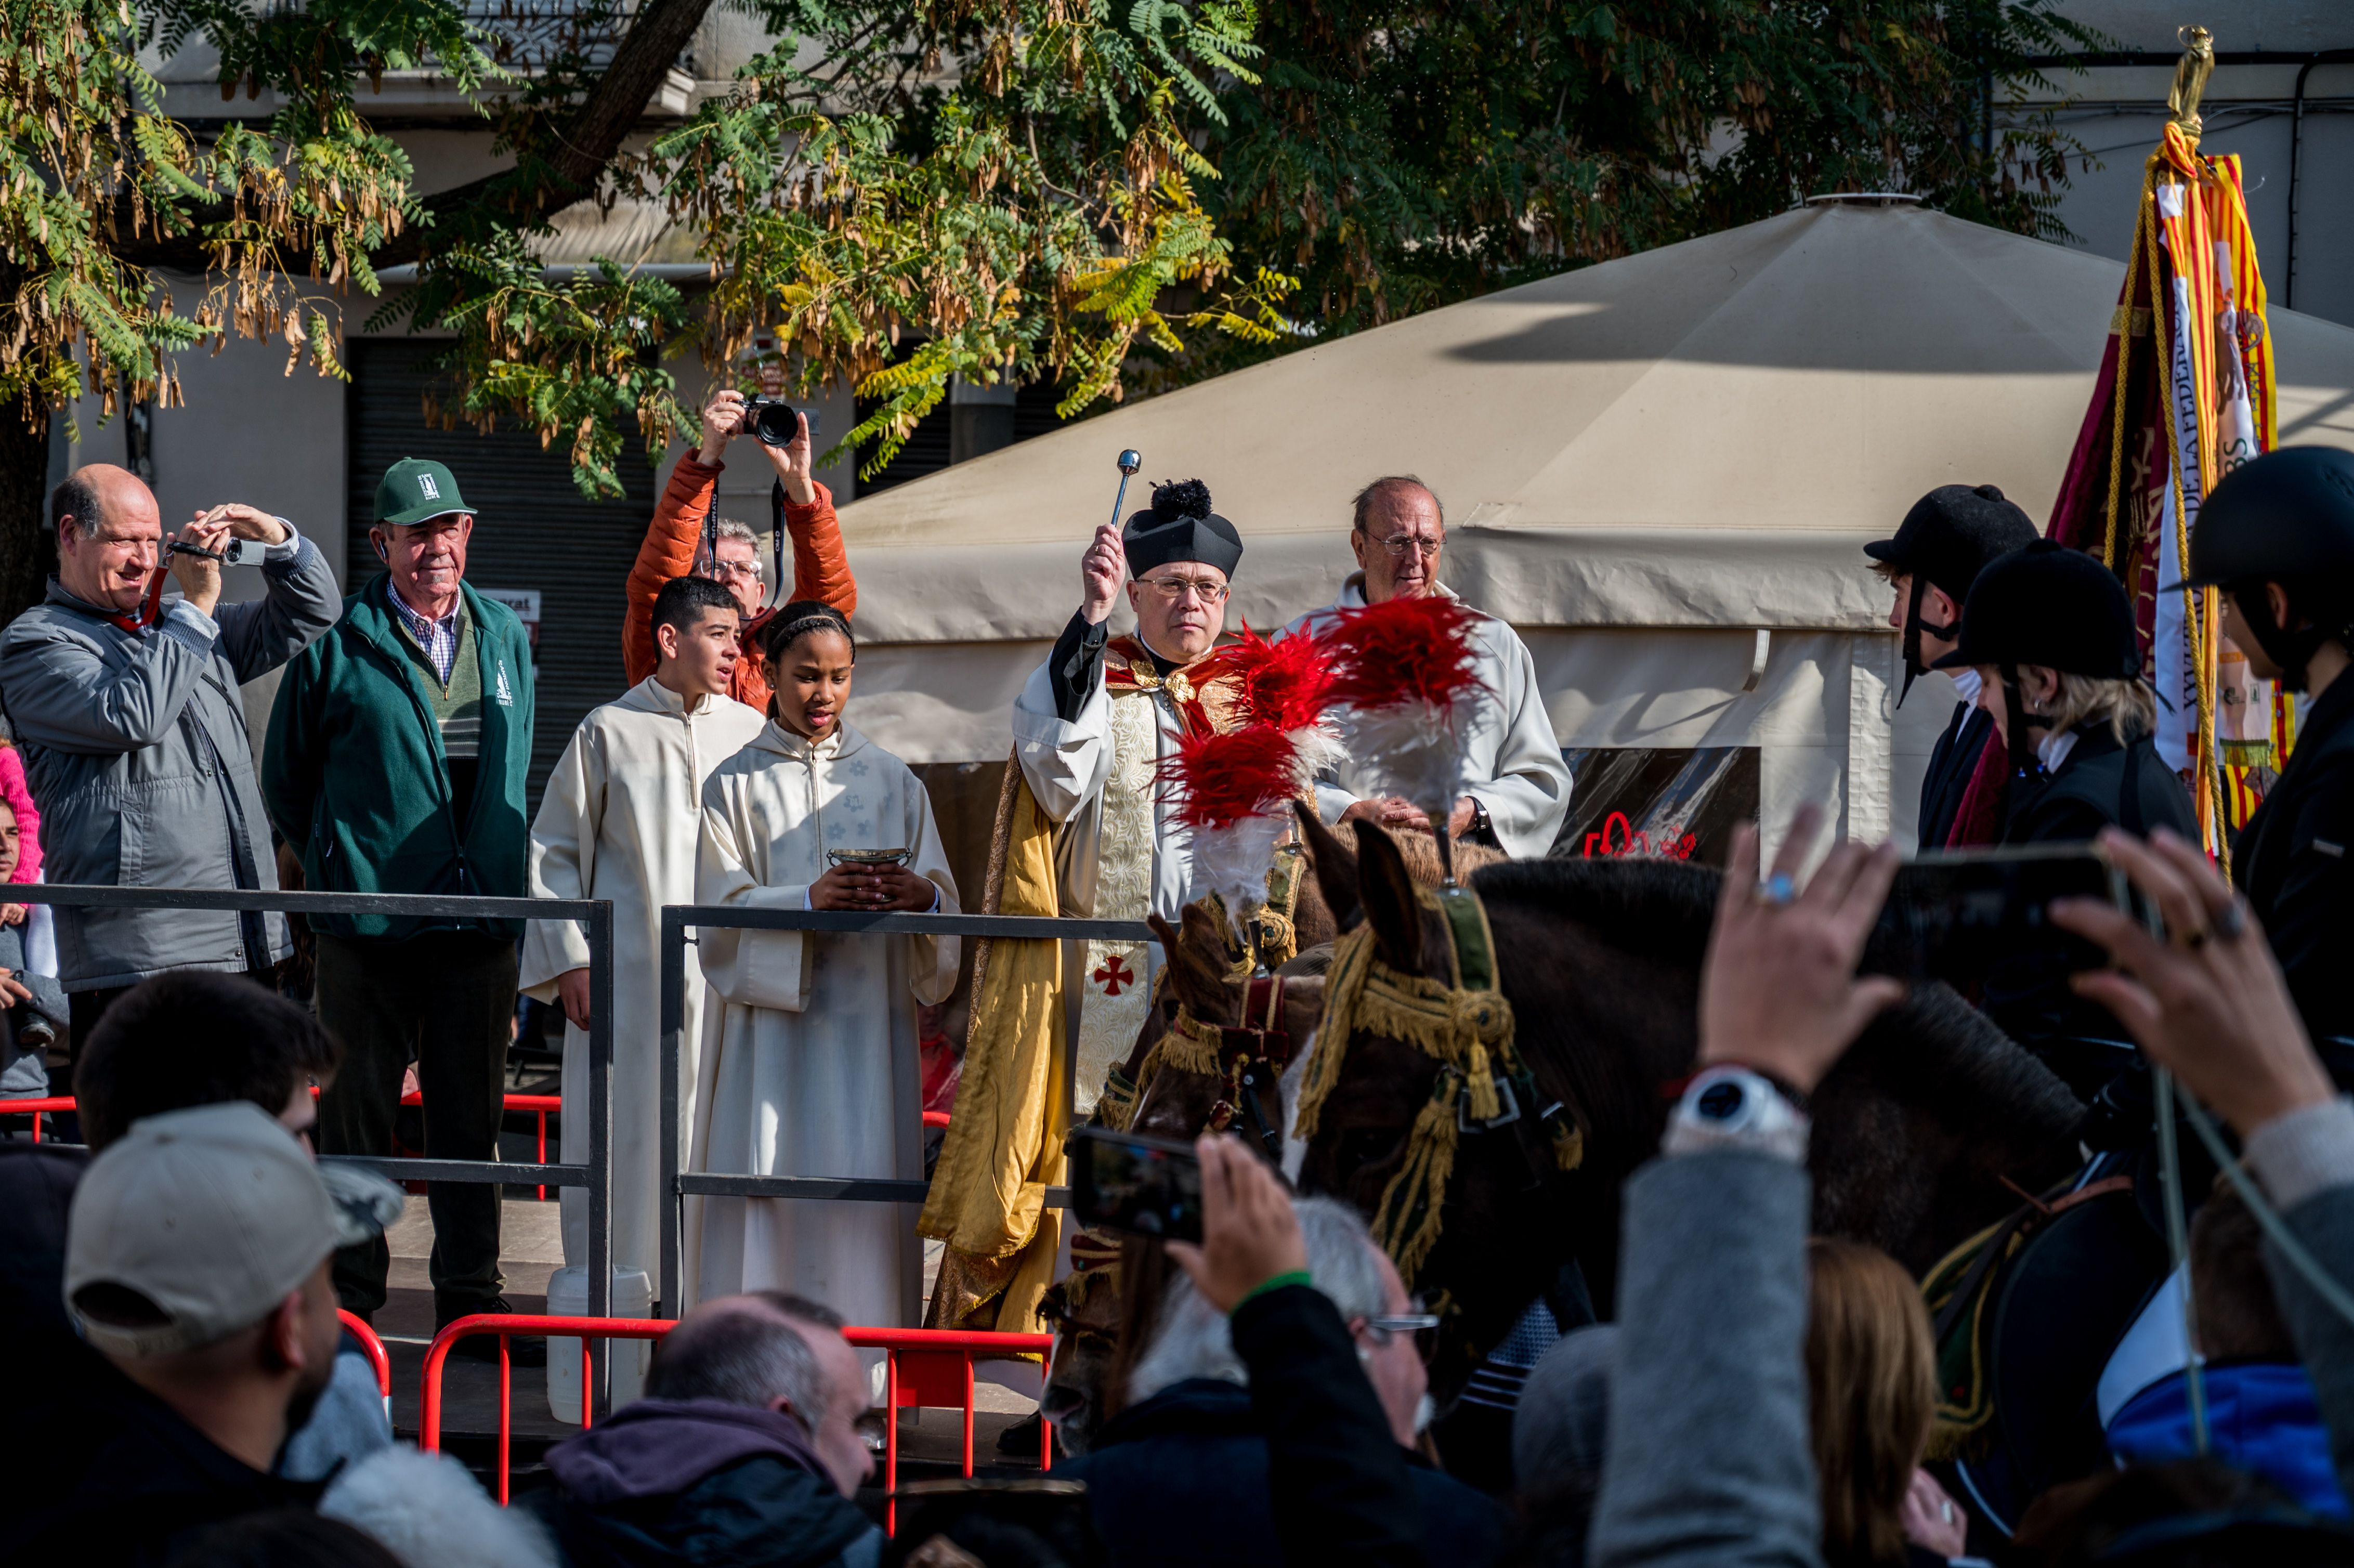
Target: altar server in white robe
<point x="810" y="1046"/>
<point x="1516" y="784"/>
<point x="622" y="819"/>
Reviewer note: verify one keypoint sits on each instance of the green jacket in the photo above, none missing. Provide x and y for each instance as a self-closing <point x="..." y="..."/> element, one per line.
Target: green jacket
<point x="354" y="774"/>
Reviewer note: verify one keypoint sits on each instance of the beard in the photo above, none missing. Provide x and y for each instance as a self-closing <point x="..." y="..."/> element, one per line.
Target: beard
<point x="306" y="1397"/>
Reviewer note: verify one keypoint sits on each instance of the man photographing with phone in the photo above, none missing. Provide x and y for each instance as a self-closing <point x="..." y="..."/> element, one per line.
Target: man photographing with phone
<point x="126" y="704"/>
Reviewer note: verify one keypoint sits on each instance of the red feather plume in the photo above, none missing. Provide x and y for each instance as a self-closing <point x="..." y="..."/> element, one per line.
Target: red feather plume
<point x="1218" y="779"/>
<point x="1287" y="683"/>
<point x="1401" y="651"/>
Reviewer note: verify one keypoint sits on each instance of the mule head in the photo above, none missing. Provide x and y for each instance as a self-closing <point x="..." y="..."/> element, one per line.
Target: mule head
<point x="1499" y="1199"/>
<point x="1185" y="1080"/>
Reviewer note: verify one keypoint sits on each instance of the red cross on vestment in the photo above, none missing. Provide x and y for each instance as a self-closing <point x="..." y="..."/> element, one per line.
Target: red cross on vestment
<point x="1112" y="974"/>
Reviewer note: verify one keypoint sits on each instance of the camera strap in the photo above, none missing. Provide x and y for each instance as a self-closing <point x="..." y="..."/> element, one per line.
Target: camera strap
<point x="778" y="596"/>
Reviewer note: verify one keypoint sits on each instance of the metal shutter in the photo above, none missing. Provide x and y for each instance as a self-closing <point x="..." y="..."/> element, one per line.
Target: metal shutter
<point x="532" y="531"/>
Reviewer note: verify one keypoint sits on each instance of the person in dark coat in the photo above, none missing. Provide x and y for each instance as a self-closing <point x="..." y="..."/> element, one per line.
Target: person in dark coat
<point x="744" y="1450"/>
<point x="2278" y="537"/>
<point x="1229" y="1454"/>
<point x="2051" y="634"/>
<point x="1949" y="536"/>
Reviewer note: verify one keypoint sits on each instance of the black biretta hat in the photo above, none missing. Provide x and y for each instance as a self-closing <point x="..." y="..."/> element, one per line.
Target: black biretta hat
<point x="2052" y="606"/>
<point x="1952" y="534"/>
<point x="1180" y="527"/>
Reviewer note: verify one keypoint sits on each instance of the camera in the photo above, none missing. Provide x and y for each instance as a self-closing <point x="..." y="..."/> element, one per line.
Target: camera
<point x="772" y="420"/>
<point x="230" y="553"/>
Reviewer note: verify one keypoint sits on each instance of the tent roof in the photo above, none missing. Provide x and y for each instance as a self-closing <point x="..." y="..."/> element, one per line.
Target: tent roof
<point x="1697" y="435"/>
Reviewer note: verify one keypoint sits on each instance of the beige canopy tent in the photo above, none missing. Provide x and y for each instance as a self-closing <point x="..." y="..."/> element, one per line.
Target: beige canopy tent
<point x="1659" y="469"/>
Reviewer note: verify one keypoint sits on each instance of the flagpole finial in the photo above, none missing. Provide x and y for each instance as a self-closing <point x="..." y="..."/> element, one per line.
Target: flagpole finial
<point x="2191" y="73"/>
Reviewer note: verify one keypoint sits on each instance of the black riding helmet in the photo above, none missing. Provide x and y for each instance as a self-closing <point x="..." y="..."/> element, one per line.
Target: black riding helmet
<point x="1945" y="540"/>
<point x="2046" y="604"/>
<point x="2285" y="518"/>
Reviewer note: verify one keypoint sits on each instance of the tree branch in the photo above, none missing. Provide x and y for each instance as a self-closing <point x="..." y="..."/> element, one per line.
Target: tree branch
<point x="585" y="145"/>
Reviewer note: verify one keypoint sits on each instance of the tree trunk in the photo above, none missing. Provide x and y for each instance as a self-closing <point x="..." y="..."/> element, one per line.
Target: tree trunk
<point x="26" y="555"/>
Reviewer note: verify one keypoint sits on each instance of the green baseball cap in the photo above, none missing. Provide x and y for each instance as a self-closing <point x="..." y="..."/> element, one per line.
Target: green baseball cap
<point x="416" y="490"/>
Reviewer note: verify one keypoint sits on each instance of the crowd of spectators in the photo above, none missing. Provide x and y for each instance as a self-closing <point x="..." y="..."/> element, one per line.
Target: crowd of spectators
<point x="1763" y="1397"/>
<point x="170" y="1288"/>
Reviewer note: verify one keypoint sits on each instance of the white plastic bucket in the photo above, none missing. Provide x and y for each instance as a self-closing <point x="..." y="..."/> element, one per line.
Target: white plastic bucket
<point x="567" y="1297"/>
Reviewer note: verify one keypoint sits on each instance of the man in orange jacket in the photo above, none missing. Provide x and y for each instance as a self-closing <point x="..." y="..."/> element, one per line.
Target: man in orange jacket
<point x="820" y="568"/>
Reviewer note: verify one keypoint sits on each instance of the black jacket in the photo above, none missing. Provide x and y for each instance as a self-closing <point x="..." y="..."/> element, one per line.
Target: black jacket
<point x="2089" y="791"/>
<point x="2099" y="783"/>
<point x="1951" y="766"/>
<point x="153" y="1482"/>
<point x="2290" y="860"/>
<point x="1192" y="1474"/>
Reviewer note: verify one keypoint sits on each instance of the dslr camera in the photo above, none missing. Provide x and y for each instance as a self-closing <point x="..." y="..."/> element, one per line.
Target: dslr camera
<point x="772" y="420"/>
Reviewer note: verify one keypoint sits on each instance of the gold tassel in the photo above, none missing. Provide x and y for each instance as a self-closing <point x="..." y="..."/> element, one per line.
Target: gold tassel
<point x="1190" y="1046"/>
<point x="1485" y="1105"/>
<point x="1409" y="1215"/>
<point x="1569" y="1146"/>
<point x="1116" y="1107"/>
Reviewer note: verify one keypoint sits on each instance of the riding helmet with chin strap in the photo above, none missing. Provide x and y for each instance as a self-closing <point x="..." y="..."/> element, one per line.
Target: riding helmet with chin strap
<point x="1946" y="539"/>
<point x="2288" y="518"/>
<point x="2045" y="604"/>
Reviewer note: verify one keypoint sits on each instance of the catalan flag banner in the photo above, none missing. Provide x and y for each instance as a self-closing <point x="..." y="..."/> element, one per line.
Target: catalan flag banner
<point x="2183" y="397"/>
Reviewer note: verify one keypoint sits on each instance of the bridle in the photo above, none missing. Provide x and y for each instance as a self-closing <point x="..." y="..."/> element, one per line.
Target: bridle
<point x="1483" y="1084"/>
<point x="1247" y="1059"/>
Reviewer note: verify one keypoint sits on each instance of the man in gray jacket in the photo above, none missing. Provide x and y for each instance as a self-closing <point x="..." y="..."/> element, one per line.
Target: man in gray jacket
<point x="126" y="705"/>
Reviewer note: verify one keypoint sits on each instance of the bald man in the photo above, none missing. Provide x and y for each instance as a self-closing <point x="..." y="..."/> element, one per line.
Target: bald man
<point x="124" y="698"/>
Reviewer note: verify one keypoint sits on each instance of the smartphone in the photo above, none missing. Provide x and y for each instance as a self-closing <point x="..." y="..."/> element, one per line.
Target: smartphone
<point x="1952" y="914"/>
<point x="1127" y="1181"/>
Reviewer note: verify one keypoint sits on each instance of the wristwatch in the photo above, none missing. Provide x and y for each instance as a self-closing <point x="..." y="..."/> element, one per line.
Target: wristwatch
<point x="1733" y="1107"/>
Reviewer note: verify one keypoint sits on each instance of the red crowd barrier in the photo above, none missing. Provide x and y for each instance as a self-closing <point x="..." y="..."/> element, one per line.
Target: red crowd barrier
<point x="376" y="1354"/>
<point x="930" y="1367"/>
<point x="34" y="1109"/>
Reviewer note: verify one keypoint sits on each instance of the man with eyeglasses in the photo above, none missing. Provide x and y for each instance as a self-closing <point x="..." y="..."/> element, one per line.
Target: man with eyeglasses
<point x="673" y="546"/>
<point x="1081" y="831"/>
<point x="1518" y="785"/>
<point x="1092" y="727"/>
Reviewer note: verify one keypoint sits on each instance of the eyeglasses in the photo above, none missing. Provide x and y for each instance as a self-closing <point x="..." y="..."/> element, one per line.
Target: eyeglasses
<point x="1429" y="547"/>
<point x="1178" y="588"/>
<point x="1422" y="1326"/>
<point x="736" y="569"/>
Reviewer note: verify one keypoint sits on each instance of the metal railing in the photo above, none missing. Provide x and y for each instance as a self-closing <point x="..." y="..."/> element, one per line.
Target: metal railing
<point x="925" y="1367"/>
<point x="678" y="1185"/>
<point x="596" y="915"/>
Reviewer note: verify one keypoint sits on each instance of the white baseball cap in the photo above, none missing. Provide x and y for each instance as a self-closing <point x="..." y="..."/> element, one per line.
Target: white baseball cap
<point x="213" y="1214"/>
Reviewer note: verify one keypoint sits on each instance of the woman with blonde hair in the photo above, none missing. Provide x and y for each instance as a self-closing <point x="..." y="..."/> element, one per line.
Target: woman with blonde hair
<point x="2052" y="634"/>
<point x="1873" y="1393"/>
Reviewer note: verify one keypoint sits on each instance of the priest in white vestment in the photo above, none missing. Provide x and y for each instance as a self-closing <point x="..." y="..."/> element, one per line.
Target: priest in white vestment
<point x="810" y="1047"/>
<point x="621" y="819"/>
<point x="1092" y="725"/>
<point x="1516" y="785"/>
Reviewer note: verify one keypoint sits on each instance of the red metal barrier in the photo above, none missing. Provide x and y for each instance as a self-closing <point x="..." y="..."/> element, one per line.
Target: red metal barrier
<point x="34" y="1109"/>
<point x="933" y="1367"/>
<point x="930" y="1367"/>
<point x="376" y="1354"/>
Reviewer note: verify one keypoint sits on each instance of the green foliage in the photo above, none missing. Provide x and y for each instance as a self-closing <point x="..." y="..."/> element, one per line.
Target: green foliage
<point x="1100" y="194"/>
<point x="1398" y="155"/>
<point x="90" y="170"/>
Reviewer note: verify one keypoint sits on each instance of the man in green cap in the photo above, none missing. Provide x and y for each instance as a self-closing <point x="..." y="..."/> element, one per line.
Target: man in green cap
<point x="396" y="764"/>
